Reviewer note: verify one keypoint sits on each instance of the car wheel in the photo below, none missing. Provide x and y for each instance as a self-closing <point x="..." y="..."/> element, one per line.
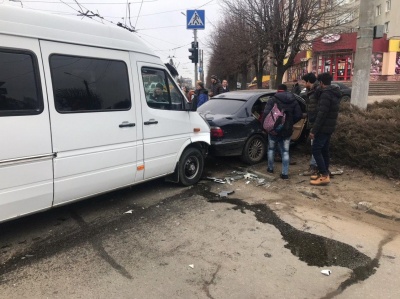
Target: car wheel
<point x="191" y="166"/>
<point x="345" y="99"/>
<point x="254" y="150"/>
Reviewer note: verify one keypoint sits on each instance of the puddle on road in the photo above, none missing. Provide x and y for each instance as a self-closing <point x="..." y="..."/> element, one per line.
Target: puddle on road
<point x="310" y="248"/>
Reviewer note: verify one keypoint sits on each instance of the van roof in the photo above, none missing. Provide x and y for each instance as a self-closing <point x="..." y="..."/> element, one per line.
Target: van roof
<point x="28" y="23"/>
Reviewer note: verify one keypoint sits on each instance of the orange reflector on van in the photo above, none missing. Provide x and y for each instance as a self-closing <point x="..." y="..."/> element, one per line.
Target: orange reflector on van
<point x="140" y="167"/>
<point x="196" y="129"/>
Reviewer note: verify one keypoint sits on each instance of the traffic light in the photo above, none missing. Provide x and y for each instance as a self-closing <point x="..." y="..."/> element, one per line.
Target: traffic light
<point x="194" y="57"/>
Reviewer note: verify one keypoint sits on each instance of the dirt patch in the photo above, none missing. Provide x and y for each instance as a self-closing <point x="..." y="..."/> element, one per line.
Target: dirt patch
<point x="356" y="193"/>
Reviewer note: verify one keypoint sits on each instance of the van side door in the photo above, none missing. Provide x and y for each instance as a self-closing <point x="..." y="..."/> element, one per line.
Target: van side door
<point x="26" y="156"/>
<point x="93" y="119"/>
<point x="166" y="124"/>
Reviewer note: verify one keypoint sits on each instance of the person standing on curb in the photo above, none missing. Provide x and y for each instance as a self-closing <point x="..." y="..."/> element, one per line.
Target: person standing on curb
<point x="225" y="87"/>
<point x="296" y="88"/>
<point x="325" y="123"/>
<point x="216" y="87"/>
<point x="311" y="85"/>
<point x="200" y="96"/>
<point x="286" y="102"/>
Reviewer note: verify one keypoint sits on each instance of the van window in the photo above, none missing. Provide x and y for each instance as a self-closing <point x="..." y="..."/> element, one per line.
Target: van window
<point x="20" y="90"/>
<point x="160" y="90"/>
<point x="82" y="84"/>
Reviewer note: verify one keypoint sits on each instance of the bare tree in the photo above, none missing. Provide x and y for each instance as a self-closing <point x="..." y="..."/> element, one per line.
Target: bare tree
<point x="287" y="26"/>
<point x="234" y="48"/>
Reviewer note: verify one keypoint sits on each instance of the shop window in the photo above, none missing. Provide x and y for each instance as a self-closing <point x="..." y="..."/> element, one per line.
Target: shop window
<point x="378" y="10"/>
<point x="388" y="5"/>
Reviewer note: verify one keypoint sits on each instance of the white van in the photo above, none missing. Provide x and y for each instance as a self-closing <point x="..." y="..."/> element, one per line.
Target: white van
<point x="75" y="118"/>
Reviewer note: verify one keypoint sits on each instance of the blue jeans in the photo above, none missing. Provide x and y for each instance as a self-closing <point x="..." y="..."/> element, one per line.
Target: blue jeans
<point x="284" y="143"/>
<point x="320" y="151"/>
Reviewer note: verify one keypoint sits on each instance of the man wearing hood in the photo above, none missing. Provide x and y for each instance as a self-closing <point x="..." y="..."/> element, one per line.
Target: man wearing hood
<point x="324" y="125"/>
<point x="216" y="86"/>
<point x="286" y="102"/>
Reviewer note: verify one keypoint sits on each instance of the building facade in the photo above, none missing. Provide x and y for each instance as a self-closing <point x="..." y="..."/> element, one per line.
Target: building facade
<point x="335" y="53"/>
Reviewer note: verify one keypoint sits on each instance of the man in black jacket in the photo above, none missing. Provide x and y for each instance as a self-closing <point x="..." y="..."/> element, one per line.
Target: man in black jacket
<point x="286" y="102"/>
<point x="312" y="85"/>
<point x="216" y="87"/>
<point x="323" y="127"/>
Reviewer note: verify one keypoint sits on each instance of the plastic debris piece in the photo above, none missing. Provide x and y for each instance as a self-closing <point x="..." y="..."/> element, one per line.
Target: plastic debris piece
<point x="129" y="212"/>
<point x="250" y="176"/>
<point x="260" y="182"/>
<point x="337" y="172"/>
<point x="326" y="272"/>
<point x="225" y="193"/>
<point x="247" y="182"/>
<point x="191" y="266"/>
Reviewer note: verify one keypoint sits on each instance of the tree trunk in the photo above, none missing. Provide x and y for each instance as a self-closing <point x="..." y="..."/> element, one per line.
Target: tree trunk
<point x="280" y="70"/>
<point x="244" y="73"/>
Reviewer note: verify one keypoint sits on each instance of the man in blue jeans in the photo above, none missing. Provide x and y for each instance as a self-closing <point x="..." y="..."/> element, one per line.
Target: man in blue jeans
<point x="287" y="102"/>
<point x="323" y="127"/>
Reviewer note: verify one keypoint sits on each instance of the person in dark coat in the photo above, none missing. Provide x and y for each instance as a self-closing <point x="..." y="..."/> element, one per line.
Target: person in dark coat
<point x="311" y="84"/>
<point x="216" y="86"/>
<point x="288" y="103"/>
<point x="225" y="87"/>
<point x="296" y="88"/>
<point x="200" y="96"/>
<point x="324" y="125"/>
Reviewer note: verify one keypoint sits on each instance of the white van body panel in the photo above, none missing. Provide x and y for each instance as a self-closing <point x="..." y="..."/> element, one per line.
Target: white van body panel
<point x="16" y="21"/>
<point x="54" y="157"/>
<point x="26" y="183"/>
<point x="93" y="153"/>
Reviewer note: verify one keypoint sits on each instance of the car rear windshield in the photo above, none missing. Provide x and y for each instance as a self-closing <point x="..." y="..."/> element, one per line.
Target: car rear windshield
<point x="225" y="106"/>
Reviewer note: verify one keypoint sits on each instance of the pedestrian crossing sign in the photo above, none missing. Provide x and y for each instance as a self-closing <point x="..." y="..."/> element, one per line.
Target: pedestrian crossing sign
<point x="195" y="19"/>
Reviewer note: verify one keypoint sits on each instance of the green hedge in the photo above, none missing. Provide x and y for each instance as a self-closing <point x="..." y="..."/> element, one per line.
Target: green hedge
<point x="369" y="139"/>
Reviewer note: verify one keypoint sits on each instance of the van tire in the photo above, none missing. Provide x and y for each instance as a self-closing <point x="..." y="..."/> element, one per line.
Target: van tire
<point x="191" y="166"/>
<point x="254" y="150"/>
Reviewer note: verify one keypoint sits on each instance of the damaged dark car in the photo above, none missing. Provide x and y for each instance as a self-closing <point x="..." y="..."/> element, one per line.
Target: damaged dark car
<point x="235" y="120"/>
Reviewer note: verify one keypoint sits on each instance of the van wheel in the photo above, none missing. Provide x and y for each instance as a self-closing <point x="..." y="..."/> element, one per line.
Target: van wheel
<point x="191" y="166"/>
<point x="254" y="150"/>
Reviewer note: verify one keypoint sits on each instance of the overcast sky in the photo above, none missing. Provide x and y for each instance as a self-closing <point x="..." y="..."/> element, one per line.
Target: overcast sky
<point x="160" y="23"/>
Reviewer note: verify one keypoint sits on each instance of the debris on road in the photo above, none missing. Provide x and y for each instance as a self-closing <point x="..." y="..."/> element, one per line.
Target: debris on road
<point x="309" y="194"/>
<point x="191" y="266"/>
<point x="250" y="176"/>
<point x="261" y="182"/>
<point x="326" y="272"/>
<point x="225" y="193"/>
<point x="129" y="212"/>
<point x="216" y="180"/>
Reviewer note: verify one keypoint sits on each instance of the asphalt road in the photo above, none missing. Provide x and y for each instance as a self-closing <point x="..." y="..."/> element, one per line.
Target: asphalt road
<point x="159" y="240"/>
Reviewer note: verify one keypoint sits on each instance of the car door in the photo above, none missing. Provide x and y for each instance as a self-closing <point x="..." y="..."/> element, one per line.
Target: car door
<point x="26" y="166"/>
<point x="166" y="124"/>
<point x="93" y="119"/>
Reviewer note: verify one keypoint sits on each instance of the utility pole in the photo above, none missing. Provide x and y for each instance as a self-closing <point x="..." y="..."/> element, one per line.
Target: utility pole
<point x="195" y="64"/>
<point x="362" y="63"/>
<point x="202" y="65"/>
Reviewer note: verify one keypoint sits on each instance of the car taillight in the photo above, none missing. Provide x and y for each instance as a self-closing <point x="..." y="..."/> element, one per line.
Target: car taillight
<point x="216" y="132"/>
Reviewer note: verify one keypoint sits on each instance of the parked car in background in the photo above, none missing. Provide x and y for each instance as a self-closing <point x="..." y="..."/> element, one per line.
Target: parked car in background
<point x="235" y="121"/>
<point x="346" y="91"/>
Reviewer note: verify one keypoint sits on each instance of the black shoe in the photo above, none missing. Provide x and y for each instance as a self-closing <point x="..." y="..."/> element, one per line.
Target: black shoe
<point x="270" y="170"/>
<point x="284" y="177"/>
